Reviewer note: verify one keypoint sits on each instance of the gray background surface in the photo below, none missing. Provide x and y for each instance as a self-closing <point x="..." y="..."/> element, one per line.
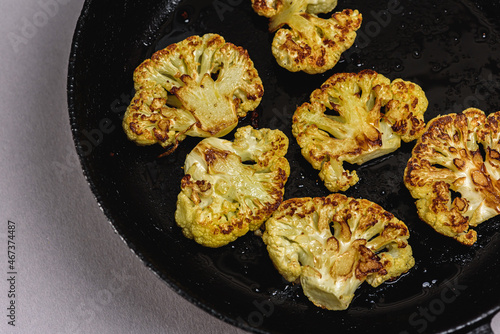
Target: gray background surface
<point x="74" y="274"/>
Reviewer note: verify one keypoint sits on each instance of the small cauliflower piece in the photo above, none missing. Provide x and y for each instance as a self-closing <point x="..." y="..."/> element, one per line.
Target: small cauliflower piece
<point x="357" y="118"/>
<point x="333" y="244"/>
<point x="198" y="87"/>
<point x="309" y="43"/>
<point x="231" y="188"/>
<point x="454" y="187"/>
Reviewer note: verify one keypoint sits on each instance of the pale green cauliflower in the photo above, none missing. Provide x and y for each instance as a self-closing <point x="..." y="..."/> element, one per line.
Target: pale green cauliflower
<point x="447" y="159"/>
<point x="357" y="117"/>
<point x="304" y="41"/>
<point x="231" y="188"/>
<point x="332" y="244"/>
<point x="198" y="87"/>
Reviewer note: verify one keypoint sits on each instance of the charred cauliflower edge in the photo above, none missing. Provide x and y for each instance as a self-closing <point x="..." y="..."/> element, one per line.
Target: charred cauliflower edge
<point x="231" y="188"/>
<point x="454" y="186"/>
<point x="304" y="41"/>
<point x="198" y="87"/>
<point x="333" y="244"/>
<point x="357" y="117"/>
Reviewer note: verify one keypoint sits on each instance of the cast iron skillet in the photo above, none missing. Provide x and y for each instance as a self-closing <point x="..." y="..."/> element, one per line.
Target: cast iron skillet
<point x="450" y="48"/>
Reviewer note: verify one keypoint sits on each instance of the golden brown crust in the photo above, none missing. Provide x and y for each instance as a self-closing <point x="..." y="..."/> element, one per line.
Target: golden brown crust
<point x="181" y="92"/>
<point x="447" y="159"/>
<point x="318" y="47"/>
<point x="335" y="243"/>
<point x="304" y="41"/>
<point x="221" y="197"/>
<point x="373" y="115"/>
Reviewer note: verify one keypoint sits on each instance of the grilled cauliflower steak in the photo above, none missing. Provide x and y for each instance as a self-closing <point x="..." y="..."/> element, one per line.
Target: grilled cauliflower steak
<point x="454" y="187"/>
<point x="198" y="87"/>
<point x="333" y="244"/>
<point x="356" y="118"/>
<point x="308" y="43"/>
<point x="231" y="188"/>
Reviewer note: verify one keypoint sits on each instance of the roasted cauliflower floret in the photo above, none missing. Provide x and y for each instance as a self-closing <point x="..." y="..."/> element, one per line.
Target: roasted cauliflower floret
<point x="333" y="244"/>
<point x="454" y="186"/>
<point x="231" y="188"/>
<point x="198" y="87"/>
<point x="304" y="41"/>
<point x="356" y="118"/>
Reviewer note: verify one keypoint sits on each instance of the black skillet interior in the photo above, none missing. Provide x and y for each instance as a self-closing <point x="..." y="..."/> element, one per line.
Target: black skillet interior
<point x="450" y="48"/>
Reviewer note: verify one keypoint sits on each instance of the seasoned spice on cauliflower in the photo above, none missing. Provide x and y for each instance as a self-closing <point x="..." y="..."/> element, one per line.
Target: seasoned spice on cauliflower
<point x="333" y="244"/>
<point x="454" y="187"/>
<point x="198" y="87"/>
<point x="304" y="41"/>
<point x="231" y="188"/>
<point x="356" y="118"/>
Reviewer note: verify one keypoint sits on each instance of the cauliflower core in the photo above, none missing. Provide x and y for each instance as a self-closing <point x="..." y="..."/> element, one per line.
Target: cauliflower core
<point x="334" y="243"/>
<point x="356" y="118"/>
<point x="308" y="43"/>
<point x="231" y="188"/>
<point x="455" y="187"/>
<point x="197" y="87"/>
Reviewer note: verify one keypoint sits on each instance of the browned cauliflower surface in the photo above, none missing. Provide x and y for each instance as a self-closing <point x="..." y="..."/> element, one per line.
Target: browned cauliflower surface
<point x="454" y="186"/>
<point x="231" y="188"/>
<point x="333" y="244"/>
<point x="304" y="41"/>
<point x="198" y="87"/>
<point x="355" y="118"/>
